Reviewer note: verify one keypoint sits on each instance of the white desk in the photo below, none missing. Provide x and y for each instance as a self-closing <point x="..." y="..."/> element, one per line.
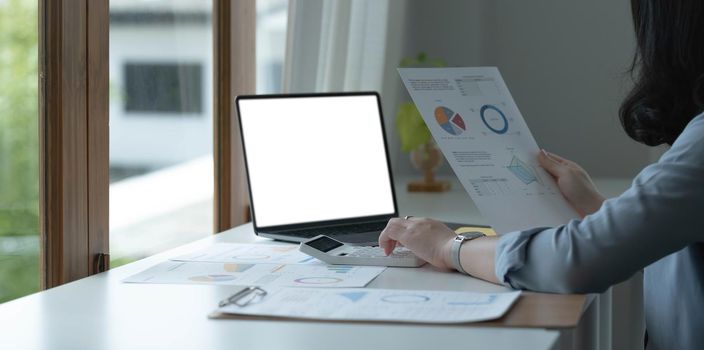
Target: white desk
<point x="100" y="312"/>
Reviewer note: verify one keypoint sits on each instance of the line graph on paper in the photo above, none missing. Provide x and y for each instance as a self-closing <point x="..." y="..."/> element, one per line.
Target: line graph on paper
<point x="523" y="171"/>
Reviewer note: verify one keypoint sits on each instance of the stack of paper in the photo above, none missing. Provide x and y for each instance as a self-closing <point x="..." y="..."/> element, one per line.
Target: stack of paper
<point x="256" y="264"/>
<point x="243" y="253"/>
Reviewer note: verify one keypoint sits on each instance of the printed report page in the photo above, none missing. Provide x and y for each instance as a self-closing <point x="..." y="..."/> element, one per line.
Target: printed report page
<point x="476" y="123"/>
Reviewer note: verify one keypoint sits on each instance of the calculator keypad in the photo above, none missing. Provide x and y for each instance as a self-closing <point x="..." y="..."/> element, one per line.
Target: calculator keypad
<point x="377" y="252"/>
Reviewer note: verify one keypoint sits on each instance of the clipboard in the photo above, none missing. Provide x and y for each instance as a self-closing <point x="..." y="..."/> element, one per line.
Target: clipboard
<point x="244" y="297"/>
<point x="365" y="305"/>
<point x="531" y="310"/>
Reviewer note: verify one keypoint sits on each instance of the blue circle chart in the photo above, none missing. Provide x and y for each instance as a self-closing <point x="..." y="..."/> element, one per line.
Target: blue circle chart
<point x="405" y="298"/>
<point x="501" y="130"/>
<point x="318" y="280"/>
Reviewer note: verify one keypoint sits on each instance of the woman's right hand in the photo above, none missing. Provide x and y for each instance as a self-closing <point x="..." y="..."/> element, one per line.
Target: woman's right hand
<point x="574" y="183"/>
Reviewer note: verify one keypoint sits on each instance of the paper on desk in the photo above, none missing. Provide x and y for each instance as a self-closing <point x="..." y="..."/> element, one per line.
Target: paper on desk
<point x="482" y="134"/>
<point x="488" y="231"/>
<point x="180" y="272"/>
<point x="243" y="253"/>
<point x="379" y="305"/>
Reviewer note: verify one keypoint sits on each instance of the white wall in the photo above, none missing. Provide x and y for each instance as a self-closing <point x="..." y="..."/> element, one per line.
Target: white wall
<point x="448" y="29"/>
<point x="565" y="62"/>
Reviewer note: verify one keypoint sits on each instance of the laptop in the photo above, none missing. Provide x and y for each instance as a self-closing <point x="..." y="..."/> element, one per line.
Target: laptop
<point x="317" y="164"/>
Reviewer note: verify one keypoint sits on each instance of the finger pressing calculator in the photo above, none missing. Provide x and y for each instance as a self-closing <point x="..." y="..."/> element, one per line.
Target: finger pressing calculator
<point x="335" y="252"/>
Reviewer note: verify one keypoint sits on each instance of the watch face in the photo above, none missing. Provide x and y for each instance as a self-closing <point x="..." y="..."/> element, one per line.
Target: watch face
<point x="472" y="234"/>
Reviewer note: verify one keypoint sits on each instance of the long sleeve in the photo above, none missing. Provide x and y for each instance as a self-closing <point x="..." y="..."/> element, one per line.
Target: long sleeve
<point x="661" y="213"/>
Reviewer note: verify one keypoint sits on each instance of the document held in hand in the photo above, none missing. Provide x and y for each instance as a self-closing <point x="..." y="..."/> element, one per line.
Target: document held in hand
<point x="486" y="141"/>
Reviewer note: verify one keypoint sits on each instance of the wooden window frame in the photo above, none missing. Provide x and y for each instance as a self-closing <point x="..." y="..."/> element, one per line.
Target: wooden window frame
<point x="73" y="126"/>
<point x="74" y="134"/>
<point x="234" y="30"/>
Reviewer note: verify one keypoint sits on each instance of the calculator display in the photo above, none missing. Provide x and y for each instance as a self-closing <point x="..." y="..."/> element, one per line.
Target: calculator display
<point x="324" y="244"/>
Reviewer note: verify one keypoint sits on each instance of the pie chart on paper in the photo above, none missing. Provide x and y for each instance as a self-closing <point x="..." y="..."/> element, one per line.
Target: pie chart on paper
<point x="450" y="121"/>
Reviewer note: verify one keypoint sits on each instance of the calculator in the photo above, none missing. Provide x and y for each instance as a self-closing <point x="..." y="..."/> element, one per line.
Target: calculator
<point x="335" y="252"/>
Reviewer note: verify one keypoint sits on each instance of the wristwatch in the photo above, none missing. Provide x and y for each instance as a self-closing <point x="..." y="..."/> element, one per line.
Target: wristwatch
<point x="457" y="244"/>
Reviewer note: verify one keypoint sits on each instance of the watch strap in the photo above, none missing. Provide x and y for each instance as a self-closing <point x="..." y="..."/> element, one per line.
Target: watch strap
<point x="456" y="247"/>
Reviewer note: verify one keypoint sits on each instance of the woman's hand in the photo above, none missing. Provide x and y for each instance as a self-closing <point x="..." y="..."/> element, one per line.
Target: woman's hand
<point x="574" y="183"/>
<point x="428" y="239"/>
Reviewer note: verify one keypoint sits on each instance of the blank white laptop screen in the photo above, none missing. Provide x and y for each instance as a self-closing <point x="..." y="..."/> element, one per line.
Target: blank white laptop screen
<point x="315" y="158"/>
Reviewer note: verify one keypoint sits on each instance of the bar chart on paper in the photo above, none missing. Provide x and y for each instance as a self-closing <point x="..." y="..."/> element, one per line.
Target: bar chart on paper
<point x="491" y="186"/>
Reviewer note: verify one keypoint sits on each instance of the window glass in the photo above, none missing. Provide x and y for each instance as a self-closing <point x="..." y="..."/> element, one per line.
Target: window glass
<point x="161" y="125"/>
<point x="19" y="149"/>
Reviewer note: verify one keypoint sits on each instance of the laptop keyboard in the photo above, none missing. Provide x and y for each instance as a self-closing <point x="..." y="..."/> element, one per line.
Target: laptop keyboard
<point x="336" y="230"/>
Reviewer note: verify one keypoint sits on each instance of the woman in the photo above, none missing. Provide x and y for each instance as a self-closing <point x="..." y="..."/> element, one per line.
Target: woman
<point x="656" y="225"/>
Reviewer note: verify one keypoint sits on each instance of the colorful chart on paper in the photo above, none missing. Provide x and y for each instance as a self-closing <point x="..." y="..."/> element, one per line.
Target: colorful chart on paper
<point x="450" y="121"/>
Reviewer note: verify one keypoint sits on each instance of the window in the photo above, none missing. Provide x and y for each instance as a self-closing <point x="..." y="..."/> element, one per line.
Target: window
<point x="163" y="88"/>
<point x="19" y="150"/>
<point x="161" y="173"/>
<point x="161" y="126"/>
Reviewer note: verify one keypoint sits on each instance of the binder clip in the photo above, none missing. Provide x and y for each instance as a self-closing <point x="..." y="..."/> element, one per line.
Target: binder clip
<point x="244" y="297"/>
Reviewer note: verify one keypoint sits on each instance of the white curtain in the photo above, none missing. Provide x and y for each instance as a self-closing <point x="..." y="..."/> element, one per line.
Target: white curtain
<point x="336" y="45"/>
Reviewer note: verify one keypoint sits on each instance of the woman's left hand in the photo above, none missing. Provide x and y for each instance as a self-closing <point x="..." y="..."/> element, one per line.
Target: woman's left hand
<point x="428" y="239"/>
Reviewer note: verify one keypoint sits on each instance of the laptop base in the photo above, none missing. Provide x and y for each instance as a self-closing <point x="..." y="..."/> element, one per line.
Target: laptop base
<point x="352" y="238"/>
<point x="359" y="239"/>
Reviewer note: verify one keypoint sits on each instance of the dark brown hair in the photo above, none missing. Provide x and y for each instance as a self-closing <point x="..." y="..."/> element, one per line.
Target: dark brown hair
<point x="668" y="70"/>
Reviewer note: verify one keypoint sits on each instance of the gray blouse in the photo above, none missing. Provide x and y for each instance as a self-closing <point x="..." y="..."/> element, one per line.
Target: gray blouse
<point x="657" y="224"/>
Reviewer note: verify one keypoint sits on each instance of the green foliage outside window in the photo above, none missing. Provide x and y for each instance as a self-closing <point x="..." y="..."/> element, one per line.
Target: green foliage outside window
<point x="19" y="149"/>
